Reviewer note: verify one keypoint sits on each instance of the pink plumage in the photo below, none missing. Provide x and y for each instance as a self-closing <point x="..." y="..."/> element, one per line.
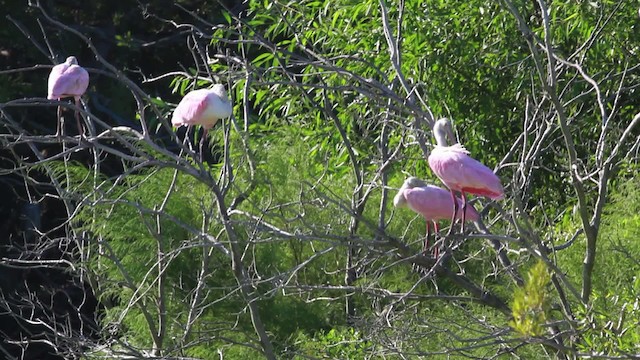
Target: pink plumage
<point x="457" y="170"/>
<point x="432" y="202"/>
<point x="67" y="80"/>
<point x="203" y="107"/>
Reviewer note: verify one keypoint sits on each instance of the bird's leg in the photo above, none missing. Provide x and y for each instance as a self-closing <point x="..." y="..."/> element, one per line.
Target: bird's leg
<point x="427" y="240"/>
<point x="202" y="139"/>
<point x="59" y="125"/>
<point x="80" y="126"/>
<point x="455" y="211"/>
<point x="435" y="243"/>
<point x="425" y="247"/>
<point x="187" y="139"/>
<point x="464" y="210"/>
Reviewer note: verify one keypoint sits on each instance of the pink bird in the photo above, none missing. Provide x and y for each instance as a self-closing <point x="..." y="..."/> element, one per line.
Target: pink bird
<point x="460" y="172"/>
<point x="432" y="202"/>
<point x="68" y="80"/>
<point x="203" y="107"/>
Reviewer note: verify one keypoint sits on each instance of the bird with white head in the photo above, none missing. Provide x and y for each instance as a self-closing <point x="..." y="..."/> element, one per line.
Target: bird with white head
<point x="433" y="203"/>
<point x="68" y="80"/>
<point x="203" y="107"/>
<point x="460" y="172"/>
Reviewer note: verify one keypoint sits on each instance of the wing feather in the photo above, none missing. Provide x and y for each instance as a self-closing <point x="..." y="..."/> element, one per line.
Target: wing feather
<point x="459" y="171"/>
<point x="67" y="81"/>
<point x="190" y="108"/>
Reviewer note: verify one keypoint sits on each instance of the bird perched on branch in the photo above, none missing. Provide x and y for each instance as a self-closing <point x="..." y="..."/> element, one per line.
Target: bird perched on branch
<point x="68" y="80"/>
<point x="460" y="172"/>
<point x="203" y="107"/>
<point x="433" y="203"/>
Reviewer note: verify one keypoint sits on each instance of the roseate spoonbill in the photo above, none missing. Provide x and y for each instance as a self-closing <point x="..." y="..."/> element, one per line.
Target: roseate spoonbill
<point x="460" y="172"/>
<point x="68" y="80"/>
<point x="203" y="107"/>
<point x="432" y="202"/>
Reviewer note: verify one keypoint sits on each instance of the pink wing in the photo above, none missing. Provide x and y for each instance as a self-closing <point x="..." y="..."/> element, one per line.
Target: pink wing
<point x="67" y="81"/>
<point x="435" y="203"/>
<point x="54" y="76"/>
<point x="191" y="108"/>
<point x="458" y="171"/>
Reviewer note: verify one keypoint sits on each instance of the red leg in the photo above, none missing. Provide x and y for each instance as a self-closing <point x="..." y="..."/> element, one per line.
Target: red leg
<point x="455" y="210"/>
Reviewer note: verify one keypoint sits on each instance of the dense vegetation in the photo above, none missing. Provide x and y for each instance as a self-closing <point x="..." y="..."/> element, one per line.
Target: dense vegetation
<point x="283" y="242"/>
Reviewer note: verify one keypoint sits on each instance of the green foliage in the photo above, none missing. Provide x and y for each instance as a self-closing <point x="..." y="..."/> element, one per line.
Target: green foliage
<point x="612" y="324"/>
<point x="134" y="239"/>
<point x="337" y="343"/>
<point x="531" y="302"/>
<point x="135" y="244"/>
<point x="471" y="61"/>
<point x="316" y="128"/>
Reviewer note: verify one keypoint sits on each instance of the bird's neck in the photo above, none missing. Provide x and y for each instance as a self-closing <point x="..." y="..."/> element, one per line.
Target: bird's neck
<point x="441" y="138"/>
